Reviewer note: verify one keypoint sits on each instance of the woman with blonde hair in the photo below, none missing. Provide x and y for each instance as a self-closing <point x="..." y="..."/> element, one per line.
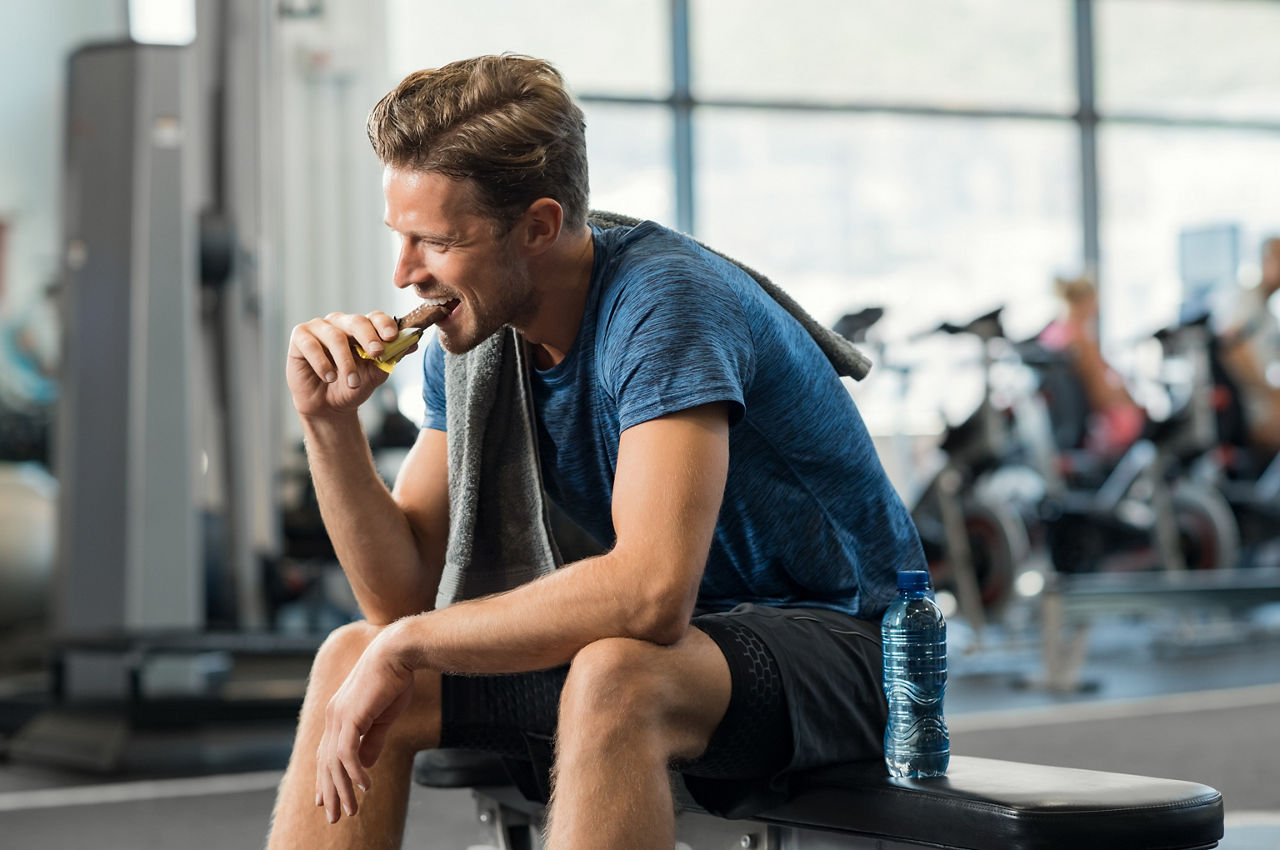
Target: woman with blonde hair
<point x="1116" y="421"/>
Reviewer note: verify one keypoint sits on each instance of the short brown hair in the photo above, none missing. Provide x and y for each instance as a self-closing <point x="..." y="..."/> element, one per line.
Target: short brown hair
<point x="506" y="123"/>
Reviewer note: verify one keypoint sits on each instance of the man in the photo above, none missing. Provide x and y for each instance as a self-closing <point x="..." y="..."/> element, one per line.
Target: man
<point x="685" y="421"/>
<point x="1251" y="346"/>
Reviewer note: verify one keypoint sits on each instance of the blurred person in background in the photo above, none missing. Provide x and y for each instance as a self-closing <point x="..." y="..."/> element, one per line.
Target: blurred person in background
<point x="1115" y="420"/>
<point x="1250" y="343"/>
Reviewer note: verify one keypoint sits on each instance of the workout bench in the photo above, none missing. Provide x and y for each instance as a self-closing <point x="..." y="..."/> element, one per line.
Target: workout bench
<point x="982" y="804"/>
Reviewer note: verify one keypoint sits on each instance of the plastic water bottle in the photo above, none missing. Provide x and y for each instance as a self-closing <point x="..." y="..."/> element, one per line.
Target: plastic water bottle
<point x="914" y="636"/>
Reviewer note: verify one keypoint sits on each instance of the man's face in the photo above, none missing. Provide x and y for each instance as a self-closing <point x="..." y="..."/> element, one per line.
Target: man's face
<point x="449" y="251"/>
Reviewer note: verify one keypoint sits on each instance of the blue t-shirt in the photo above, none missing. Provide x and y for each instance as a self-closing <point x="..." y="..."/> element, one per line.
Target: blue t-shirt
<point x="809" y="517"/>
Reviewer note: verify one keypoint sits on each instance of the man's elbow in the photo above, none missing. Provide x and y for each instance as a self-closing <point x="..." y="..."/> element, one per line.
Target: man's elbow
<point x="662" y="616"/>
<point x="382" y="614"/>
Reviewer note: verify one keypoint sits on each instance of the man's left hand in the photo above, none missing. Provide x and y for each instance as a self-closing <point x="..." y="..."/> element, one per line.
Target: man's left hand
<point x="357" y="719"/>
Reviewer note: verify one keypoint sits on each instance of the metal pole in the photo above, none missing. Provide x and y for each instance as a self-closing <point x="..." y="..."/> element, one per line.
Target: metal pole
<point x="1087" y="119"/>
<point x="682" y="109"/>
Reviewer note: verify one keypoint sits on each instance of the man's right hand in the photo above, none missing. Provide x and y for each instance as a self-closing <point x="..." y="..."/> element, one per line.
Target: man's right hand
<point x="324" y="375"/>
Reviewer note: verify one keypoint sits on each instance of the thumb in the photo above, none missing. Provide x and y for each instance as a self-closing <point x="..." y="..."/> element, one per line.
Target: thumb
<point x="375" y="737"/>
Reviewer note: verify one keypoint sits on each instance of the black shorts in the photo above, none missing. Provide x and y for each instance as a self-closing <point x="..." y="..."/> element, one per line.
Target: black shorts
<point x="832" y="708"/>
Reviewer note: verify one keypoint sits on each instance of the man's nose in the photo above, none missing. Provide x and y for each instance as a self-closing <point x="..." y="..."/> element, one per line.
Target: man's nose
<point x="410" y="270"/>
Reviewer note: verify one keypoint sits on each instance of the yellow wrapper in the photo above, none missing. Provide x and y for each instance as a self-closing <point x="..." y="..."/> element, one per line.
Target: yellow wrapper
<point x="397" y="348"/>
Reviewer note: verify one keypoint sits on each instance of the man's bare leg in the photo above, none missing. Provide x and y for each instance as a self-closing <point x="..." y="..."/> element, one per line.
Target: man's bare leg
<point x="298" y="822"/>
<point x="628" y="708"/>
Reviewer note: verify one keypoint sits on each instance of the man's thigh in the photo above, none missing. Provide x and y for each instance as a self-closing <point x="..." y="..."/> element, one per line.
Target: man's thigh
<point x="807" y="693"/>
<point x="760" y="692"/>
<point x="830" y="668"/>
<point x="685" y="686"/>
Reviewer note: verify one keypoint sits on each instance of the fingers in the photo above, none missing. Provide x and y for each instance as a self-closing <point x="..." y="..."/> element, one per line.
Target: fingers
<point x="338" y="331"/>
<point x="369" y="331"/>
<point x="334" y="789"/>
<point x="338" y="768"/>
<point x="347" y="770"/>
<point x="356" y="720"/>
<point x="326" y="791"/>
<point x="384" y="324"/>
<point x="326" y="784"/>
<point x="307" y="343"/>
<point x="325" y="345"/>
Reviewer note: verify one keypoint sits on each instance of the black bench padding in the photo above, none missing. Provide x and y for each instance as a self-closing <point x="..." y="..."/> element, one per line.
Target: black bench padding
<point x="459" y="769"/>
<point x="985" y="803"/>
<point x="981" y="804"/>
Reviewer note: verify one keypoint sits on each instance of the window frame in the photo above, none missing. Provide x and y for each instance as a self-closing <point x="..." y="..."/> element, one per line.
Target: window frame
<point x="683" y="104"/>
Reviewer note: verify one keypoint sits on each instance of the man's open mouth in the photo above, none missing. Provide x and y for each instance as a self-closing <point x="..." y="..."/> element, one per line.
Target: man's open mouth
<point x="450" y="304"/>
<point x="431" y="311"/>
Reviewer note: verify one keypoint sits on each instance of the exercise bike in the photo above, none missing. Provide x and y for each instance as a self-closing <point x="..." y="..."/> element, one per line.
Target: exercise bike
<point x="973" y="540"/>
<point x="1136" y="512"/>
<point x="1210" y="436"/>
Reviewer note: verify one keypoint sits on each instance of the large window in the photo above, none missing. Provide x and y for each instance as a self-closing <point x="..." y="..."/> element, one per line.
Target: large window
<point x="852" y="210"/>
<point x="934" y="157"/>
<point x="1189" y="58"/>
<point x="1161" y="184"/>
<point x="929" y="53"/>
<point x="631" y="167"/>
<point x="1190" y="103"/>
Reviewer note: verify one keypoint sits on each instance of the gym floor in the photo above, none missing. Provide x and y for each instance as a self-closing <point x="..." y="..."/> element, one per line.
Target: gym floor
<point x="1196" y="700"/>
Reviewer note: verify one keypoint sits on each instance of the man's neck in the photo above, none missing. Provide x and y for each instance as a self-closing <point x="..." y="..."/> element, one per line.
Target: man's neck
<point x="563" y="279"/>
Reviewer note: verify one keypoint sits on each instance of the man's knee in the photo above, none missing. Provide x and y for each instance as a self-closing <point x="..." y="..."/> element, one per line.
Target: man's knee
<point x="417" y="729"/>
<point x="342" y="648"/>
<point x="615" y="685"/>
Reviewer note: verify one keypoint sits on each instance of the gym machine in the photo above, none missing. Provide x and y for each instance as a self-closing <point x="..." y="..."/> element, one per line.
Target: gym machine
<point x="157" y="600"/>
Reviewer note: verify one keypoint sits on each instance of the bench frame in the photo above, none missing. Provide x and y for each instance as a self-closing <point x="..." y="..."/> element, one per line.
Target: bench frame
<point x="509" y="822"/>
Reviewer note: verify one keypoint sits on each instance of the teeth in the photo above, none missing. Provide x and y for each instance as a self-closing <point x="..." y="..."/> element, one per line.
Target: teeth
<point x="425" y="314"/>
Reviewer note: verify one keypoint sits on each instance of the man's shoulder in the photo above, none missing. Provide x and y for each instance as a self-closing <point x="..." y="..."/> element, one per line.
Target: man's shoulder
<point x="650" y="260"/>
<point x="645" y="243"/>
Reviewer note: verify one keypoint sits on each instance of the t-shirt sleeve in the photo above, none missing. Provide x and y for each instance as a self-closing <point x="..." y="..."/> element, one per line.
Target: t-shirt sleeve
<point x="433" y="395"/>
<point x="676" y="343"/>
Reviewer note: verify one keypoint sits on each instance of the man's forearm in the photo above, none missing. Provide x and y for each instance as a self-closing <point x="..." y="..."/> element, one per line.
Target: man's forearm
<point x="370" y="534"/>
<point x="544" y="623"/>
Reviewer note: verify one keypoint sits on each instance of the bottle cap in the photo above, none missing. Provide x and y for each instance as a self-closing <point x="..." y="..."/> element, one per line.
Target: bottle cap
<point x="913" y="580"/>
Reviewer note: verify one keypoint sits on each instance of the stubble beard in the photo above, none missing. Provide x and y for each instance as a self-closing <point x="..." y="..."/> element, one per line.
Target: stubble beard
<point x="514" y="303"/>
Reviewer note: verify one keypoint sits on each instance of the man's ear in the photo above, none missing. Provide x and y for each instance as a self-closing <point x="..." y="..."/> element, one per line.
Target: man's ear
<point x="540" y="225"/>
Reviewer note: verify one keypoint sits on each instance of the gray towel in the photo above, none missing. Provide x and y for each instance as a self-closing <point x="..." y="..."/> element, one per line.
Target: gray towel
<point x="499" y="518"/>
<point x="499" y="536"/>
